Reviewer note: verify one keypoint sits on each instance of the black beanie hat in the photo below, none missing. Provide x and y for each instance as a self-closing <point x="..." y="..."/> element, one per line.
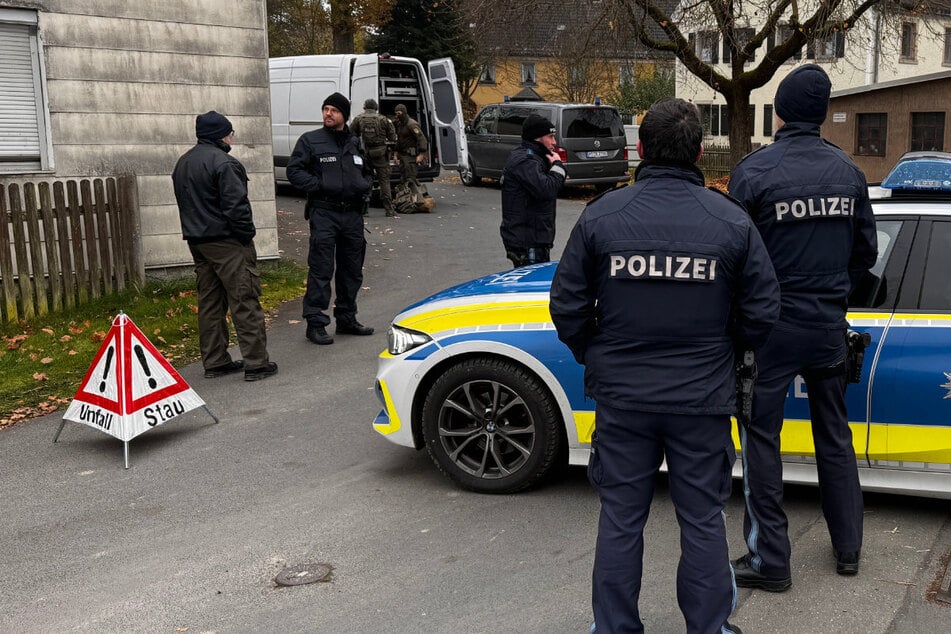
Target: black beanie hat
<point x="212" y="125"/>
<point x="803" y="95"/>
<point x="536" y="126"/>
<point x="339" y="102"/>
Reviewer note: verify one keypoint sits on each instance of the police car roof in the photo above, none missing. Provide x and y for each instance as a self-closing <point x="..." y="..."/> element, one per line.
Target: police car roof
<point x="921" y="175"/>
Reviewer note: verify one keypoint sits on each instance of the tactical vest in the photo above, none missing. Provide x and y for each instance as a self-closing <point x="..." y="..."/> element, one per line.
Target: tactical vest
<point x="372" y="131"/>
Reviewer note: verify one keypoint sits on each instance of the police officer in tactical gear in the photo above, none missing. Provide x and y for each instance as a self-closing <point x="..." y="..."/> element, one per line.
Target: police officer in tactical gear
<point x="211" y="189"/>
<point x="327" y="165"/>
<point x="658" y="284"/>
<point x="532" y="177"/>
<point x="378" y="136"/>
<point x="413" y="148"/>
<point x="810" y="203"/>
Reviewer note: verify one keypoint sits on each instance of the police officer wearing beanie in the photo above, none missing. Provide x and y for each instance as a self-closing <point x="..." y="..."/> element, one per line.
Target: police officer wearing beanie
<point x="378" y="136"/>
<point x="413" y="149"/>
<point x="810" y="203"/>
<point x="658" y="284"/>
<point x="211" y="189"/>
<point x="532" y="177"/>
<point x="328" y="166"/>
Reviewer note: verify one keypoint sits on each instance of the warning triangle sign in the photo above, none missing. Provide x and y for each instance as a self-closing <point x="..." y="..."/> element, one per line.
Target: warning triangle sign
<point x="130" y="387"/>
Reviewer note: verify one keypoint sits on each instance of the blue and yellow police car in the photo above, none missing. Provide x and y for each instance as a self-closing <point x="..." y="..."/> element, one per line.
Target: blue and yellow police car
<point x="477" y="375"/>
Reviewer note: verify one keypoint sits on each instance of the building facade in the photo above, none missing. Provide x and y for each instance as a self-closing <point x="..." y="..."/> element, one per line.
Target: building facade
<point x="109" y="87"/>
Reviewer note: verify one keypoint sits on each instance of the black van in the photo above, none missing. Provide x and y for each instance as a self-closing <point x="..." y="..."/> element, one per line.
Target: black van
<point x="590" y="139"/>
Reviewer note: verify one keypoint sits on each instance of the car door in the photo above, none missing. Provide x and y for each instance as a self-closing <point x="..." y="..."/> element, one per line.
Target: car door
<point x="910" y="397"/>
<point x="483" y="137"/>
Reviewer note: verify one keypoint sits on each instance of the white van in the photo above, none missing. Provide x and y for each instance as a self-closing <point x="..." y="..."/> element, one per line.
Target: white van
<point x="300" y="84"/>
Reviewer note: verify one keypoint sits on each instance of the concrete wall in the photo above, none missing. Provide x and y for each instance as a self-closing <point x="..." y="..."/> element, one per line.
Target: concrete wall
<point x="125" y="80"/>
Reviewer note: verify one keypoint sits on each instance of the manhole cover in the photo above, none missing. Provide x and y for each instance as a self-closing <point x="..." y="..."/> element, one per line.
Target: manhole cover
<point x="303" y="574"/>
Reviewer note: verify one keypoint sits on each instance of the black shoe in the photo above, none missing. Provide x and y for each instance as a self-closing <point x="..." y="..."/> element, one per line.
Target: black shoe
<point x="318" y="335"/>
<point x="732" y="628"/>
<point x="746" y="577"/>
<point x="847" y="563"/>
<point x="354" y="328"/>
<point x="221" y="370"/>
<point x="270" y="369"/>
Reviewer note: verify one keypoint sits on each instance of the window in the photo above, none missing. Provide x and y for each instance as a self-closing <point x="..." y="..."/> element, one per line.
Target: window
<point x="879" y="287"/>
<point x="529" y="78"/>
<point x="715" y="119"/>
<point x="487" y="121"/>
<point x="909" y="42"/>
<point x="768" y="120"/>
<point x="947" y="46"/>
<point x="830" y="47"/>
<point x="783" y="33"/>
<point x="24" y="141"/>
<point x="625" y="74"/>
<point x="936" y="285"/>
<point x="871" y="132"/>
<point x="927" y="131"/>
<point x="743" y="36"/>
<point x="708" y="45"/>
<point x="488" y="74"/>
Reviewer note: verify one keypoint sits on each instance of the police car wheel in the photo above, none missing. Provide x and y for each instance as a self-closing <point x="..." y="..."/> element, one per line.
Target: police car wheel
<point x="492" y="426"/>
<point x="469" y="177"/>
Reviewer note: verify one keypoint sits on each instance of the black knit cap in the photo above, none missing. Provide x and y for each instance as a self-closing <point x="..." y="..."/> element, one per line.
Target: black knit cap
<point x="339" y="102"/>
<point x="536" y="126"/>
<point x="803" y="96"/>
<point x="212" y="125"/>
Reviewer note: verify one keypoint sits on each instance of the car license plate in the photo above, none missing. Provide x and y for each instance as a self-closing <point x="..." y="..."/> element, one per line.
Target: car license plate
<point x="597" y="154"/>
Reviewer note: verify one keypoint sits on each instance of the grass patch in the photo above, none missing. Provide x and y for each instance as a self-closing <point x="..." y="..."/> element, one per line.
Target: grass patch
<point x="43" y="361"/>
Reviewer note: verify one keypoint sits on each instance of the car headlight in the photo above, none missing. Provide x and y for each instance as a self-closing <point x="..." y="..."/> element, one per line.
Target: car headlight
<point x="402" y="340"/>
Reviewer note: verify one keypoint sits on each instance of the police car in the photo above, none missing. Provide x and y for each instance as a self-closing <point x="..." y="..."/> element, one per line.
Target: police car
<point x="477" y="375"/>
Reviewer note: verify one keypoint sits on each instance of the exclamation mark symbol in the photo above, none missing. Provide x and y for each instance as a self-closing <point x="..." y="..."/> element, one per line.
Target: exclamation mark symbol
<point x="105" y="373"/>
<point x="140" y="353"/>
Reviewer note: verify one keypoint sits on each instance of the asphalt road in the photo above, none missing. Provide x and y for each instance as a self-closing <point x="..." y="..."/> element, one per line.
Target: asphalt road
<point x="191" y="537"/>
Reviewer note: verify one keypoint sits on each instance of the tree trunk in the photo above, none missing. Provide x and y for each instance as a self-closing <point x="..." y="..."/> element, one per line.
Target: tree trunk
<point x="341" y="21"/>
<point x="741" y="125"/>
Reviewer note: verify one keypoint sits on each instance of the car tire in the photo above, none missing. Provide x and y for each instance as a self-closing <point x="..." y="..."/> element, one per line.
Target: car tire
<point x="469" y="177"/>
<point x="492" y="426"/>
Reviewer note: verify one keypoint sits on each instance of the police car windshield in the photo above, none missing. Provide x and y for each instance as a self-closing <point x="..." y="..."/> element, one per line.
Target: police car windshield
<point x="579" y="123"/>
<point x="930" y="173"/>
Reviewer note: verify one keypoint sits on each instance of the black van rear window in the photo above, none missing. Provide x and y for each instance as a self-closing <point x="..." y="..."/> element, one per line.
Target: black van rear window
<point x="591" y="122"/>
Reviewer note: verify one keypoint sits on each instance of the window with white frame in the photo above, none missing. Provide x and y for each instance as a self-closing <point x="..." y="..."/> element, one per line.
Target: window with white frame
<point x="909" y="42"/>
<point x="625" y="74"/>
<point x="487" y="76"/>
<point x="708" y="46"/>
<point x="947" y="46"/>
<point x="24" y="134"/>
<point x="827" y="48"/>
<point x="529" y="78"/>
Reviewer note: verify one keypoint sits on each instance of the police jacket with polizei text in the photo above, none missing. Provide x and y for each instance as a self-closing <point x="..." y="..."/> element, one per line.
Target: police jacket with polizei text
<point x="810" y="203"/>
<point x="529" y="194"/>
<point x="327" y="164"/>
<point x="657" y="284"/>
<point x="211" y="189"/>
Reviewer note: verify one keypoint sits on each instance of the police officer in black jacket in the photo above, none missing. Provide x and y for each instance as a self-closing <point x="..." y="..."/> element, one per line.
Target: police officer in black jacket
<point x="810" y="203"/>
<point x="658" y="284"/>
<point x="211" y="189"/>
<point x="327" y="164"/>
<point x="531" y="179"/>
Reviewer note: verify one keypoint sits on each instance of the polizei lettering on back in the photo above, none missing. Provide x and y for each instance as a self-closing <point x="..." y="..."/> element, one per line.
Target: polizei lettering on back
<point x="678" y="268"/>
<point x="815" y="207"/>
<point x="95" y="416"/>
<point x="162" y="412"/>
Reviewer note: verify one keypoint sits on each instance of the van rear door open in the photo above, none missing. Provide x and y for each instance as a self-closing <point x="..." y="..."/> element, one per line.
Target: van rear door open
<point x="450" y="134"/>
<point x="365" y="81"/>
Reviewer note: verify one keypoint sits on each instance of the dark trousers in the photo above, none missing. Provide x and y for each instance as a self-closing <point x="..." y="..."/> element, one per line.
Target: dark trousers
<point x="523" y="257"/>
<point x="380" y="159"/>
<point x="227" y="277"/>
<point x="336" y="238"/>
<point x="409" y="173"/>
<point x="816" y="355"/>
<point x="626" y="453"/>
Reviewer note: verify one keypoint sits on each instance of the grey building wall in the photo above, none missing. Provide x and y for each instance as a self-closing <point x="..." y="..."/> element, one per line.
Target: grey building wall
<point x="125" y="80"/>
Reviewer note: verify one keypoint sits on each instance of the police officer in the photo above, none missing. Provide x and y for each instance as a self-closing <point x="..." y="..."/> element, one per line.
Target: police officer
<point x="810" y="203"/>
<point x="531" y="179"/>
<point x="658" y="283"/>
<point x="413" y="148"/>
<point x="327" y="164"/>
<point x="378" y="136"/>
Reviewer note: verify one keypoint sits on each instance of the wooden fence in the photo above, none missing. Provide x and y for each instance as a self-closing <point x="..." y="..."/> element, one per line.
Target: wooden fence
<point x="715" y="162"/>
<point x="63" y="243"/>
